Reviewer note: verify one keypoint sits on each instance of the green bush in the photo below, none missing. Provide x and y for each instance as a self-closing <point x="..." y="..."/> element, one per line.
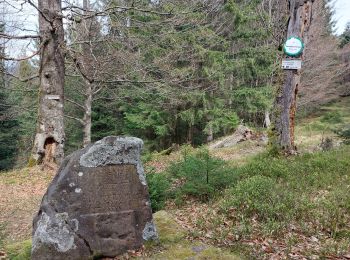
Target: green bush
<point x="277" y="191"/>
<point x="333" y="117"/>
<point x="158" y="186"/>
<point x="259" y="196"/>
<point x="333" y="209"/>
<point x="344" y="133"/>
<point x="200" y="175"/>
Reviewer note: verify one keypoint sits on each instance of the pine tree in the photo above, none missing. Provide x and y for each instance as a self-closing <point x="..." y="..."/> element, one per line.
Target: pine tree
<point x="8" y="123"/>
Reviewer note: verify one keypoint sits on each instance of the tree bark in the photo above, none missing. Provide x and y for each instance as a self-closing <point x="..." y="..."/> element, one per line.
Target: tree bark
<point x="50" y="137"/>
<point x="87" y="64"/>
<point x="285" y="102"/>
<point x="267" y="121"/>
<point x="210" y="132"/>
<point x="87" y="115"/>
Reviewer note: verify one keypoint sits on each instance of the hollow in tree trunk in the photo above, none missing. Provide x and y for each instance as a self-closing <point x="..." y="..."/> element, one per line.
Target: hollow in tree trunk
<point x="50" y="137"/>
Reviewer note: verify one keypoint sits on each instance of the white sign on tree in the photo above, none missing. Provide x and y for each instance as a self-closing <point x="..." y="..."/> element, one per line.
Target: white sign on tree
<point x="293" y="47"/>
<point x="291" y="64"/>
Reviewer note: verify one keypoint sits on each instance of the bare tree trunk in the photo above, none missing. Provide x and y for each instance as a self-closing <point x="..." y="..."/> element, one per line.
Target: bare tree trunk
<point x="88" y="69"/>
<point x="50" y="137"/>
<point x="87" y="115"/>
<point x="210" y="132"/>
<point x="267" y="121"/>
<point x="190" y="134"/>
<point x="285" y="102"/>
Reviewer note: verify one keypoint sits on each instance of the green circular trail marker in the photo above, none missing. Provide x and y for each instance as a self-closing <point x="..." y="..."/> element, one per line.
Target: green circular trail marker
<point x="293" y="47"/>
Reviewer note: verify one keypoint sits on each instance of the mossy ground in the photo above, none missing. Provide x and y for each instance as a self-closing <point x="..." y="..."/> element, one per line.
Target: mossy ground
<point x="19" y="251"/>
<point x="174" y="245"/>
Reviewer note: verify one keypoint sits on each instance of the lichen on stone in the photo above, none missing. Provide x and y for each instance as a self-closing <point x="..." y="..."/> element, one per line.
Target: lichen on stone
<point x="150" y="232"/>
<point x="115" y="150"/>
<point x="55" y="232"/>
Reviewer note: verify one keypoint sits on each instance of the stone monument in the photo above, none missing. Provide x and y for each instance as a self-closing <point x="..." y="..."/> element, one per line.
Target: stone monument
<point x="97" y="204"/>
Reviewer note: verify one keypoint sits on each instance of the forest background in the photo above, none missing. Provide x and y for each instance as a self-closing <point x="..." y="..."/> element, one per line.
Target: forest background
<point x="170" y="72"/>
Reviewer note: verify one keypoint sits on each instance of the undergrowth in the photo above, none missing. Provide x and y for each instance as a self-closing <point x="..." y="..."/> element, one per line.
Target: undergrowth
<point x="197" y="175"/>
<point x="2" y="235"/>
<point x="19" y="251"/>
<point x="283" y="198"/>
<point x="282" y="189"/>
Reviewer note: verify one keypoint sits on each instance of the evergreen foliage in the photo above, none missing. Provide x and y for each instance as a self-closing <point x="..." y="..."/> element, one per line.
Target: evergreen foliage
<point x="190" y="76"/>
<point x="200" y="175"/>
<point x="345" y="36"/>
<point x="24" y="95"/>
<point x="158" y="188"/>
<point x="180" y="72"/>
<point x="8" y="123"/>
<point x="8" y="132"/>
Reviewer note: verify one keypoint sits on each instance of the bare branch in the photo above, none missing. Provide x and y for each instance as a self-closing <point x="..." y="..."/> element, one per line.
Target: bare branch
<point x="75" y="103"/>
<point x="20" y="79"/>
<point x="21" y="37"/>
<point x="74" y="118"/>
<point x="21" y="59"/>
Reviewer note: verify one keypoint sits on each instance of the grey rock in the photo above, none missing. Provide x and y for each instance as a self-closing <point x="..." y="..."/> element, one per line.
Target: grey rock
<point x="97" y="204"/>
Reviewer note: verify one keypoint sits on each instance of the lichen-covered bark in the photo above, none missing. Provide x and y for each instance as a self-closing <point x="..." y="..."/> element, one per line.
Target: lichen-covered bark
<point x="50" y="137"/>
<point x="285" y="102"/>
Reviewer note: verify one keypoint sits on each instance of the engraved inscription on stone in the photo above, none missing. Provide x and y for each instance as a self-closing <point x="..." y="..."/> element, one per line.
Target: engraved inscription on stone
<point x="111" y="188"/>
<point x="98" y="204"/>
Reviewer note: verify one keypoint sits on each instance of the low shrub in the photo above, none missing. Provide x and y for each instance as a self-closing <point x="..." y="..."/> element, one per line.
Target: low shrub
<point x="200" y="175"/>
<point x="259" y="197"/>
<point x="344" y="133"/>
<point x="332" y="209"/>
<point x="158" y="187"/>
<point x="333" y="117"/>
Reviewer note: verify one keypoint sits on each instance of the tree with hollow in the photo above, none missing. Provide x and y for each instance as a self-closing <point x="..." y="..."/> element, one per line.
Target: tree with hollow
<point x="50" y="137"/>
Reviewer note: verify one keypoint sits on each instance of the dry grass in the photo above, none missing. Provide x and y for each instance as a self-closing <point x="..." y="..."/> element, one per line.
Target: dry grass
<point x="239" y="154"/>
<point x="312" y="130"/>
<point x="20" y="195"/>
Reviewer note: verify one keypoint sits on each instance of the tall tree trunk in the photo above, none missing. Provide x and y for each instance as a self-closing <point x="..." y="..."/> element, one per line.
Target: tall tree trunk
<point x="87" y="114"/>
<point x="267" y="121"/>
<point x="86" y="60"/>
<point x="210" y="132"/>
<point x="50" y="137"/>
<point x="285" y="102"/>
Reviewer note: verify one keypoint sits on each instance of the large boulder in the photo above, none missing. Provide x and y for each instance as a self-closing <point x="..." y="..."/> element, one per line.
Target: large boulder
<point x="97" y="205"/>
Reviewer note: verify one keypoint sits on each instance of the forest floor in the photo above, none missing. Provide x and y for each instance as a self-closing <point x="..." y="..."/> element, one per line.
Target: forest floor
<point x="313" y="189"/>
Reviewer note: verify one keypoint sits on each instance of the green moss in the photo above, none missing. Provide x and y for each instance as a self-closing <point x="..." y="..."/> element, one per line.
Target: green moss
<point x="19" y="251"/>
<point x="175" y="246"/>
<point x="169" y="231"/>
<point x="31" y="162"/>
<point x="216" y="254"/>
<point x="176" y="251"/>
